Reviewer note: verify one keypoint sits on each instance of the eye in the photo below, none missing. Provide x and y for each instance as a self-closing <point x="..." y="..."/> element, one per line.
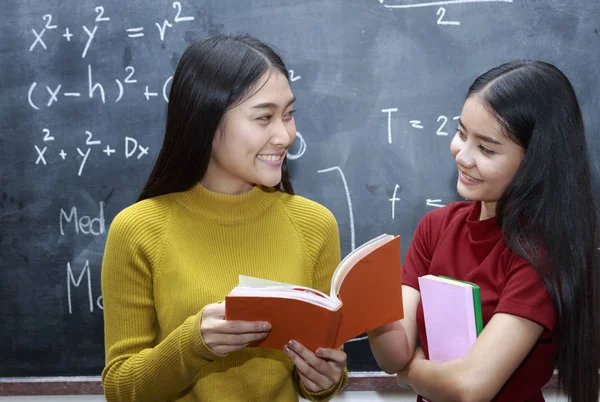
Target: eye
<point x="486" y="151"/>
<point x="461" y="135"/>
<point x="264" y="118"/>
<point x="290" y="113"/>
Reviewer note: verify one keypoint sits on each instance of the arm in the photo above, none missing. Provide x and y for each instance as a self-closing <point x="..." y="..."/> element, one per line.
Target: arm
<point x="137" y="368"/>
<point x="393" y="345"/>
<point x="484" y="370"/>
<point x="523" y="312"/>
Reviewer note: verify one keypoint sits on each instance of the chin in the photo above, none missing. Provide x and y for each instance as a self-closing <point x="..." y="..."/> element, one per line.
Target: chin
<point x="270" y="182"/>
<point x="465" y="193"/>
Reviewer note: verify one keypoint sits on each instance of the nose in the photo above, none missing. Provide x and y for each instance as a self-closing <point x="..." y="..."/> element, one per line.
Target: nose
<point x="464" y="157"/>
<point x="283" y="134"/>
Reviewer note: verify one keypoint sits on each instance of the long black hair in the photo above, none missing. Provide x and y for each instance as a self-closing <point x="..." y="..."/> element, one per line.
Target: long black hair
<point x="212" y="76"/>
<point x="547" y="211"/>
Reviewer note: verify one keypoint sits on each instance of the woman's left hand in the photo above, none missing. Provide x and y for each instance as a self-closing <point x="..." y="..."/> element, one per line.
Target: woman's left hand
<point x="318" y="371"/>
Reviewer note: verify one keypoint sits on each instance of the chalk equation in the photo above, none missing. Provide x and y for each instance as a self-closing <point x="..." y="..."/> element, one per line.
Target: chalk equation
<point x="131" y="148"/>
<point x="441" y="11"/>
<point x="395" y="198"/>
<point x="441" y="125"/>
<point x="102" y="17"/>
<point x="37" y="96"/>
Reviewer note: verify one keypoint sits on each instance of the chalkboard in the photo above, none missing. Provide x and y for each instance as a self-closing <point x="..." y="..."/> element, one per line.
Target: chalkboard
<point x="379" y="85"/>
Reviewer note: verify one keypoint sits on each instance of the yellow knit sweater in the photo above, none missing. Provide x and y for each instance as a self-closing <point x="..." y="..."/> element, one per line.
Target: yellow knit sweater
<point x="169" y="256"/>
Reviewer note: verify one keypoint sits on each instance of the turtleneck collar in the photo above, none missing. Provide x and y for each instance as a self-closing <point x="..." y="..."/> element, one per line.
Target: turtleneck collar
<point x="226" y="207"/>
<point x="484" y="230"/>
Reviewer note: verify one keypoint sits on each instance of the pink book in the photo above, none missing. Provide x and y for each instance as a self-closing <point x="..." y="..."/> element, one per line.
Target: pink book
<point x="450" y="316"/>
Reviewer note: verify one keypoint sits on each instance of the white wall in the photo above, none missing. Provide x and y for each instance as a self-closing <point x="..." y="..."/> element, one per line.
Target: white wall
<point x="349" y="396"/>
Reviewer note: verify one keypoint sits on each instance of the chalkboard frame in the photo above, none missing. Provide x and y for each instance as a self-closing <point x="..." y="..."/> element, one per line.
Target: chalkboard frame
<point x="29" y="386"/>
<point x="312" y="73"/>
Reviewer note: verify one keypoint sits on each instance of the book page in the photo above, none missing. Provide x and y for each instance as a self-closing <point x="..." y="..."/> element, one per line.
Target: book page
<point x="351" y="259"/>
<point x="251" y="281"/>
<point x="297" y="293"/>
<point x="455" y="282"/>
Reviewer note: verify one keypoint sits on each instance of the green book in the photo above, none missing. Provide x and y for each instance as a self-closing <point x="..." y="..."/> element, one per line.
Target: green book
<point x="476" y="302"/>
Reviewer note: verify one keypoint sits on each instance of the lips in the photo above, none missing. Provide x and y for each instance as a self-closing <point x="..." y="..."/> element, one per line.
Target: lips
<point x="468" y="179"/>
<point x="270" y="157"/>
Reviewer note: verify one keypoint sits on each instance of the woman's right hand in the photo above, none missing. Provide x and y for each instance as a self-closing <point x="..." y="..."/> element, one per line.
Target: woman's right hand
<point x="223" y="336"/>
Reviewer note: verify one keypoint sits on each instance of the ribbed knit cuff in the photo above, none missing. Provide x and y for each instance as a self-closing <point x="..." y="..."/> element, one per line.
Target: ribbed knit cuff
<point x="200" y="348"/>
<point x="324" y="395"/>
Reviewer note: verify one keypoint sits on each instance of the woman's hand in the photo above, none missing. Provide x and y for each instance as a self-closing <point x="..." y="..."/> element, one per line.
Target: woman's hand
<point x="402" y="377"/>
<point x="318" y="371"/>
<point x="223" y="336"/>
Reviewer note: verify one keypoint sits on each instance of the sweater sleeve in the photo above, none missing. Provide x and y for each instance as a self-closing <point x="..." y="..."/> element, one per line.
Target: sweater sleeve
<point x="324" y="395"/>
<point x="138" y="367"/>
<point x="325" y="238"/>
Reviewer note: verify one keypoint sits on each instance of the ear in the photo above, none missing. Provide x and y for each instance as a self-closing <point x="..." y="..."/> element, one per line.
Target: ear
<point x="220" y="132"/>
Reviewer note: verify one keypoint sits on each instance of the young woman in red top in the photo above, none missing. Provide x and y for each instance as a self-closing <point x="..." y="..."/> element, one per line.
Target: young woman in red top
<point x="528" y="238"/>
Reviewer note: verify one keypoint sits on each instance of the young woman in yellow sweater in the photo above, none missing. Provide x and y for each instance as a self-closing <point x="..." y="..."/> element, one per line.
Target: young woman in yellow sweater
<point x="218" y="203"/>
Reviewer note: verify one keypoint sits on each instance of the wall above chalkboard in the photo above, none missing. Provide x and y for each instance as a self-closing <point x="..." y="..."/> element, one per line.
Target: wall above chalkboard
<point x="379" y="86"/>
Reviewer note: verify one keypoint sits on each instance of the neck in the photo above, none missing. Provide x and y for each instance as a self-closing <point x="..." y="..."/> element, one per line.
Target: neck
<point x="224" y="186"/>
<point x="488" y="210"/>
<point x="226" y="207"/>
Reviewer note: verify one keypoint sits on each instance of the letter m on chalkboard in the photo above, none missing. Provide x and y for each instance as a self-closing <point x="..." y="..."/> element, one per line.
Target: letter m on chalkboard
<point x="71" y="280"/>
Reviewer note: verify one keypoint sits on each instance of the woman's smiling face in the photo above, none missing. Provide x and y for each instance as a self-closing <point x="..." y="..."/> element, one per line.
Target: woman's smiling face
<point x="486" y="158"/>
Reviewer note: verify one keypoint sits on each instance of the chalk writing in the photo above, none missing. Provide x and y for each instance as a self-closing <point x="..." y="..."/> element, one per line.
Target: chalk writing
<point x="301" y="148"/>
<point x="94" y="90"/>
<point x="40" y="155"/>
<point x="47" y="136"/>
<point x="77" y="282"/>
<point x="292" y="76"/>
<point x="83" y="224"/>
<point x="132" y="149"/>
<point x="71" y="281"/>
<point x="349" y="201"/>
<point x="89" y="39"/>
<point x="131" y="32"/>
<point x="389" y="120"/>
<point x="441" y="11"/>
<point x="393" y="201"/>
<point x="442" y="121"/>
<point x="434" y="203"/>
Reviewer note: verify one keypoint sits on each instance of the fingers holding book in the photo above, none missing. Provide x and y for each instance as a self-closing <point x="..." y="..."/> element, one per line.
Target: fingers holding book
<point x="223" y="336"/>
<point x="318" y="371"/>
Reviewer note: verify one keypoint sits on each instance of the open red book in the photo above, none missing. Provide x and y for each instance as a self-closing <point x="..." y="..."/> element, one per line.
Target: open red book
<point x="366" y="293"/>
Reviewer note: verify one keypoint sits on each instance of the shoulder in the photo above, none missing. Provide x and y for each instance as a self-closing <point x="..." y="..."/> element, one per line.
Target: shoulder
<point x="307" y="213"/>
<point x="440" y="218"/>
<point x="315" y="224"/>
<point x="524" y="292"/>
<point x="512" y="263"/>
<point x="142" y="220"/>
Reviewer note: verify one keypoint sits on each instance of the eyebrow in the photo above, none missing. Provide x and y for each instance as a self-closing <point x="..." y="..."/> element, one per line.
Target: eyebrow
<point x="480" y="136"/>
<point x="271" y="105"/>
